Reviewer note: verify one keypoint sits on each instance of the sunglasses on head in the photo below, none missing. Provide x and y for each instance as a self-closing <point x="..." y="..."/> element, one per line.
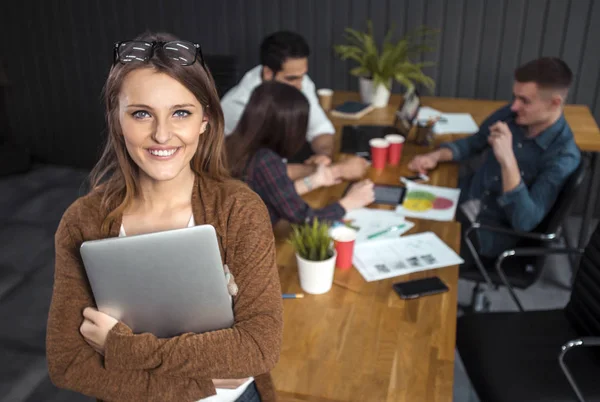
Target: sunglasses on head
<point x="183" y="52"/>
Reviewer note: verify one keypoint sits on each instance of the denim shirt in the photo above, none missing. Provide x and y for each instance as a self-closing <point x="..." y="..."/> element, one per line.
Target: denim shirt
<point x="545" y="161"/>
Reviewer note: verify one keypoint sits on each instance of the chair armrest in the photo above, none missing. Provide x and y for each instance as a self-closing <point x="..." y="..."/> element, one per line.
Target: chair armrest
<point x="590" y="341"/>
<point x="528" y="235"/>
<point x="537" y="251"/>
<point x="567" y="347"/>
<point x="526" y="252"/>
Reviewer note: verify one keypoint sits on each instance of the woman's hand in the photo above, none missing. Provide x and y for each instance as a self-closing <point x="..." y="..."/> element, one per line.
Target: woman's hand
<point x="232" y="287"/>
<point x="229" y="384"/>
<point x="324" y="177"/>
<point x="352" y="168"/>
<point x="318" y="160"/>
<point x="360" y="194"/>
<point x="95" y="328"/>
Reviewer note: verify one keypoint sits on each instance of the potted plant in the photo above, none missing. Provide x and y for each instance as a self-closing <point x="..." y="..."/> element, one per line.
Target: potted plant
<point x="314" y="255"/>
<point x="377" y="68"/>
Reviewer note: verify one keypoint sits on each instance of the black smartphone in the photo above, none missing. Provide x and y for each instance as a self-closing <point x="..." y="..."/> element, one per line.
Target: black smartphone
<point x="420" y="287"/>
<point x="389" y="195"/>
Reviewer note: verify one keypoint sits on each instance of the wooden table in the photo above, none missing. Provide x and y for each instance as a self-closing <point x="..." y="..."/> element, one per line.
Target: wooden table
<point x="360" y="342"/>
<point x="579" y="117"/>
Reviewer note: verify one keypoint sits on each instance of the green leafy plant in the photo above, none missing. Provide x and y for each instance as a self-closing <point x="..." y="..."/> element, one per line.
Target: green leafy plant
<point x="312" y="241"/>
<point x="393" y="61"/>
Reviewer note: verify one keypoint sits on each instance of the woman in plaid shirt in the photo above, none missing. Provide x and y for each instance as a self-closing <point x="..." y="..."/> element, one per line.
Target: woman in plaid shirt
<point x="271" y="129"/>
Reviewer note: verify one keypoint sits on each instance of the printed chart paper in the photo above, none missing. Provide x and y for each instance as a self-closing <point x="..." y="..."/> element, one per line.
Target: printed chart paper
<point x="429" y="202"/>
<point x="404" y="255"/>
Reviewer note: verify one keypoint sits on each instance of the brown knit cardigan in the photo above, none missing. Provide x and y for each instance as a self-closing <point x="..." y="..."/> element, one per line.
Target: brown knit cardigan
<point x="141" y="367"/>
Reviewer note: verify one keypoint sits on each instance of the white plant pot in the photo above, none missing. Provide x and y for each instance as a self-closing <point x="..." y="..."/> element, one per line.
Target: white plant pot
<point x="316" y="277"/>
<point x="378" y="97"/>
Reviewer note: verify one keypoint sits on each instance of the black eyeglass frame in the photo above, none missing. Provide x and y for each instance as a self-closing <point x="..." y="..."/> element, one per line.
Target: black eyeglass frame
<point x="155" y="44"/>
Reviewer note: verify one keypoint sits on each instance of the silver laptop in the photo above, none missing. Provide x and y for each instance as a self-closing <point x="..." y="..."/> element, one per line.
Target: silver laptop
<point x="166" y="283"/>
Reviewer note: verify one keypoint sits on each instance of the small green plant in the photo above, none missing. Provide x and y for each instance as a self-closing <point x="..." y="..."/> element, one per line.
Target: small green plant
<point x="311" y="240"/>
<point x="394" y="61"/>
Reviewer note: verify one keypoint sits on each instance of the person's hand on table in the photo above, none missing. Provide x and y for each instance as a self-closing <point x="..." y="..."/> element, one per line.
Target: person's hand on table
<point x="95" y="328"/>
<point x="360" y="194"/>
<point x="229" y="383"/>
<point x="500" y="140"/>
<point x="424" y="163"/>
<point x="351" y="168"/>
<point x="324" y="177"/>
<point x="318" y="160"/>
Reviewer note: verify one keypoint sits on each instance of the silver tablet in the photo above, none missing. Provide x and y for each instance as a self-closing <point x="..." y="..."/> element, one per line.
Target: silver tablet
<point x="166" y="283"/>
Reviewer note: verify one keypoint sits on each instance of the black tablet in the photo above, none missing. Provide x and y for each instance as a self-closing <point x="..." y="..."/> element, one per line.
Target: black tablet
<point x="389" y="195"/>
<point x="386" y="195"/>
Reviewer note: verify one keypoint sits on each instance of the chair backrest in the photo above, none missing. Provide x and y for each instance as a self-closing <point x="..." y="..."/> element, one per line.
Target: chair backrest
<point x="564" y="202"/>
<point x="224" y="70"/>
<point x="552" y="223"/>
<point x="583" y="309"/>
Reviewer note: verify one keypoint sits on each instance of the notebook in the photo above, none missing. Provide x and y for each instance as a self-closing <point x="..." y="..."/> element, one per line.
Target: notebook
<point x="352" y="110"/>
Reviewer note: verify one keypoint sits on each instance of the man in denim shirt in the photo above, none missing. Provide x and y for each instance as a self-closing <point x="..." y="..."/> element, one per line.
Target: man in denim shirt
<point x="531" y="154"/>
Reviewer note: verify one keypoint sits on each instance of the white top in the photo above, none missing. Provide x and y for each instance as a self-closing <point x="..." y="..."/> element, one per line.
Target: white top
<point x="190" y="224"/>
<point x="222" y="395"/>
<point x="234" y="102"/>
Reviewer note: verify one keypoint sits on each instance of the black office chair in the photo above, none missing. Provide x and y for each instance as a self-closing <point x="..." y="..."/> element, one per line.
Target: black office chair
<point x="539" y="355"/>
<point x="224" y="69"/>
<point x="522" y="266"/>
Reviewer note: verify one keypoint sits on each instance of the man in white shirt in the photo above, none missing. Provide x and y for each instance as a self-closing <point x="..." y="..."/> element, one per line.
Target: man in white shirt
<point x="284" y="57"/>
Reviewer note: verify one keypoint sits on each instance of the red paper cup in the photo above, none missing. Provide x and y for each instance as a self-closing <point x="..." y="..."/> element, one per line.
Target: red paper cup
<point x="343" y="239"/>
<point x="395" y="151"/>
<point x="379" y="151"/>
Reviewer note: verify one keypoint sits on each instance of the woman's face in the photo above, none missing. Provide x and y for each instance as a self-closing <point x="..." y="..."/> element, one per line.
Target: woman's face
<point x="161" y="122"/>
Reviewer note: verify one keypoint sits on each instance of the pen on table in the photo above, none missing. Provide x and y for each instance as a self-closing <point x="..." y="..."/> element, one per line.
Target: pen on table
<point x="388" y="230"/>
<point x="420" y="176"/>
<point x="433" y="120"/>
<point x="292" y="295"/>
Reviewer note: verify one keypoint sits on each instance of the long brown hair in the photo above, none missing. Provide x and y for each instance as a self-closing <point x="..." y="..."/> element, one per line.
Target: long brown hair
<point x="116" y="175"/>
<point x="276" y="118"/>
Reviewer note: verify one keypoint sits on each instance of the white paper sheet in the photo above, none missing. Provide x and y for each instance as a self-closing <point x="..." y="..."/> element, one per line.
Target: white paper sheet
<point x="394" y="257"/>
<point x="426" y="113"/>
<point x="370" y="221"/>
<point x="429" y="202"/>
<point x="456" y="123"/>
<point x="451" y="123"/>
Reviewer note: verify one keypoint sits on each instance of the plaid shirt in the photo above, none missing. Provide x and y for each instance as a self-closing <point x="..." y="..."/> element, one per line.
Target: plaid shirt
<point x="266" y="174"/>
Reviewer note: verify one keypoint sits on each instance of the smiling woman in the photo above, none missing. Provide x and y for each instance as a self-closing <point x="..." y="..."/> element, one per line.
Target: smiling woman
<point x="162" y="168"/>
<point x="149" y="108"/>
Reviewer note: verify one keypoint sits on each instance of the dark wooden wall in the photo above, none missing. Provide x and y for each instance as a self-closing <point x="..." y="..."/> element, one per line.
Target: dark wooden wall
<point x="57" y="53"/>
